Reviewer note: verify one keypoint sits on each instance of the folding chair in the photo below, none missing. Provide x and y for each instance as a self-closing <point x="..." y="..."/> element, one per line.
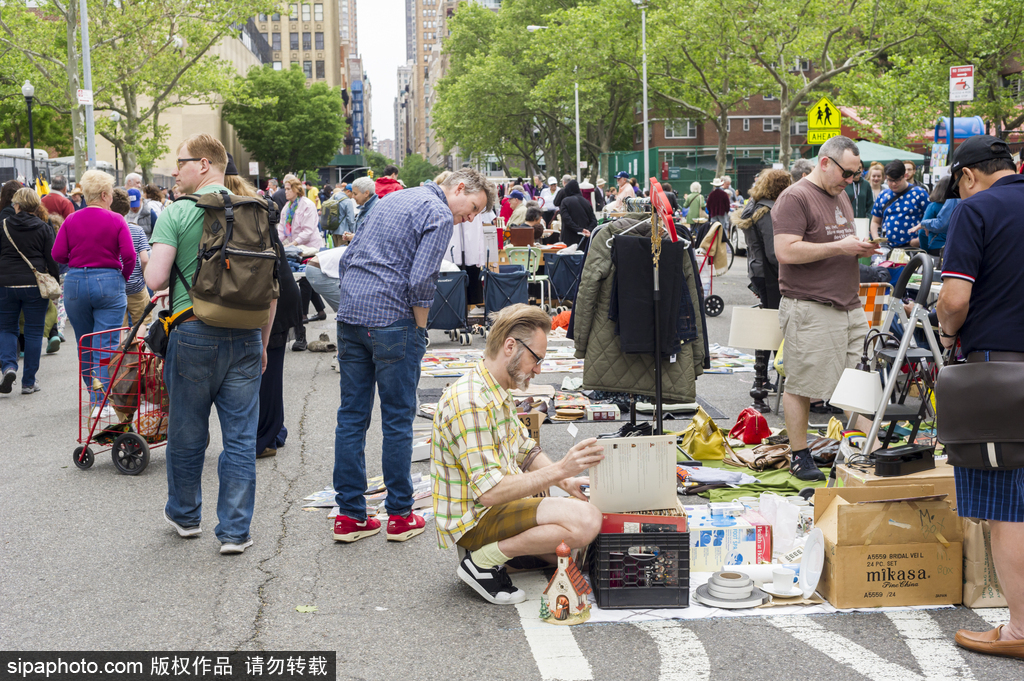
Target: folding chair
<point x="529" y="257"/>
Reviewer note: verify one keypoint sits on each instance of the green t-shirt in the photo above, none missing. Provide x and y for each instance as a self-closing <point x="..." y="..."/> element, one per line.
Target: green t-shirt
<point x="181" y="225"/>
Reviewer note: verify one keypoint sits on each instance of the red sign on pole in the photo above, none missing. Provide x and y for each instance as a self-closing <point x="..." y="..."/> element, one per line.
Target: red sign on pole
<point x="961" y="83"/>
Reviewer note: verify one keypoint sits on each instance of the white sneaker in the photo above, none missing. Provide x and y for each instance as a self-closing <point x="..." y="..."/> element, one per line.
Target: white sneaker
<point x="185" y="532"/>
<point x="228" y="547"/>
<point x="334" y="364"/>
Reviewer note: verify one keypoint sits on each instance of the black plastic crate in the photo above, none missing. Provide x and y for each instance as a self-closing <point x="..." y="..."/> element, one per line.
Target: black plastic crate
<point x="647" y="570"/>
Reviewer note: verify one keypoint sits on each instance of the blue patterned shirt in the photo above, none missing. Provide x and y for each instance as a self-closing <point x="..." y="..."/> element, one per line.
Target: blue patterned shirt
<point x="393" y="261"/>
<point x="904" y="213"/>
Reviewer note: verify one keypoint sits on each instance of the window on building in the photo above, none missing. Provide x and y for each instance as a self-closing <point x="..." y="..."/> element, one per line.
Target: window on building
<point x="771" y="124"/>
<point x="293" y="41"/>
<point x="680" y="129"/>
<point x="275" y="42"/>
<point x="728" y="125"/>
<point x="307" y="41"/>
<point x="294" y="63"/>
<point x="276" y="16"/>
<point x="265" y="36"/>
<point x="305" y="12"/>
<point x="801" y="64"/>
<point x="319" y="40"/>
<point x="277" y="66"/>
<point x="318" y="11"/>
<point x="768" y="98"/>
<point x="263" y="17"/>
<point x="293" y="12"/>
<point x="746" y="125"/>
<point x="307" y="68"/>
<point x="798" y="127"/>
<point x="320" y="68"/>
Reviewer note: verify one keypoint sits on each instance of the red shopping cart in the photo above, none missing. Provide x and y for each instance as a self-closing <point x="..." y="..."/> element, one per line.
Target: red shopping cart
<point x="123" y="401"/>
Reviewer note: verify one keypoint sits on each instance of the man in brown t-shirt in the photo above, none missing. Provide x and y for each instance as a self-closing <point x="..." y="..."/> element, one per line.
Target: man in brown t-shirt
<point x="820" y="313"/>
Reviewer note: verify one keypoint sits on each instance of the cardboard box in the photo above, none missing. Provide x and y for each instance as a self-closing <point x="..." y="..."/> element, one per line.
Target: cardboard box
<point x="981" y="586"/>
<point x="532" y="422"/>
<point x="638" y="523"/>
<point x="941" y="477"/>
<point x="716" y="542"/>
<point x="886" y="547"/>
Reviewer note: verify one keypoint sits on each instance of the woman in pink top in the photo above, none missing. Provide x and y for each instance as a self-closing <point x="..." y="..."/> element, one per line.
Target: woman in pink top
<point x="96" y="245"/>
<point x="299" y="224"/>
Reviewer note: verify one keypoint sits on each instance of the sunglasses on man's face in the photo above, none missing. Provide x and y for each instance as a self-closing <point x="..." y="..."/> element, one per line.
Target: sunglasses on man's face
<point x="847" y="174"/>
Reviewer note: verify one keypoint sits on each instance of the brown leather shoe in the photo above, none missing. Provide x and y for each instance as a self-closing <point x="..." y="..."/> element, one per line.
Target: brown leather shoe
<point x="269" y="451"/>
<point x="988" y="643"/>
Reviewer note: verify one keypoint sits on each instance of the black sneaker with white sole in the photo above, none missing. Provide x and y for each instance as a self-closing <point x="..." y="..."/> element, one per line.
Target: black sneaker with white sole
<point x="494" y="584"/>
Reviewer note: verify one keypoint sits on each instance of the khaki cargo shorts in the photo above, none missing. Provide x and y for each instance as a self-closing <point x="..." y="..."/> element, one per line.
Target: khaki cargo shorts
<point x="501" y="522"/>
<point x="821" y="342"/>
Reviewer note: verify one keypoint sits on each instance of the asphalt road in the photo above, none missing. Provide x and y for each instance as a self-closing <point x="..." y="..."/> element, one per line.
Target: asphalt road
<point x="87" y="563"/>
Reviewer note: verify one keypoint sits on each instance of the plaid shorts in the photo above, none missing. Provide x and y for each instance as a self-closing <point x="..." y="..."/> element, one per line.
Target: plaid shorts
<point x="501" y="522"/>
<point x="990" y="495"/>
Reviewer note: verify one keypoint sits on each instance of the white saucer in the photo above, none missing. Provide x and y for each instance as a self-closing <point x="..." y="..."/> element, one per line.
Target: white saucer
<point x="792" y="593"/>
<point x="702" y="595"/>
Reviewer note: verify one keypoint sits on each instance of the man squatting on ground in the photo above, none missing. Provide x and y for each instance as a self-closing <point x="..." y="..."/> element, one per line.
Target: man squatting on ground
<point x="487" y="471"/>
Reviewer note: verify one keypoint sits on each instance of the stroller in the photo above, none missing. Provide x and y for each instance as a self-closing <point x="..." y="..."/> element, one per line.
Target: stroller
<point x="505" y="287"/>
<point x="449" y="309"/>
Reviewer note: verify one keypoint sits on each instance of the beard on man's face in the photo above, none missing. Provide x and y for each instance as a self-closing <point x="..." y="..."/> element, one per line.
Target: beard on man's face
<point x="521" y="379"/>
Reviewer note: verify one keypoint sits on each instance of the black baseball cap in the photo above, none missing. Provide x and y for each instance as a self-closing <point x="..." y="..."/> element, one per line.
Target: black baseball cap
<point x="971" y="152"/>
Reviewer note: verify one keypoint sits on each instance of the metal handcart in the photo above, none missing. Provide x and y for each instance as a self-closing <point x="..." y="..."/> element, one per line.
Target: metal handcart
<point x="123" y="401"/>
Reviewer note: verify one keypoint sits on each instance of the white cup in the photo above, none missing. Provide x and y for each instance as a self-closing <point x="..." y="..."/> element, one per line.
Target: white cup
<point x="782" y="579"/>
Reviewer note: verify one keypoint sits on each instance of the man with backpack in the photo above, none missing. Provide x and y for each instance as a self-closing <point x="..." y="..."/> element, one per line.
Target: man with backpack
<point x="216" y="350"/>
<point x="338" y="215"/>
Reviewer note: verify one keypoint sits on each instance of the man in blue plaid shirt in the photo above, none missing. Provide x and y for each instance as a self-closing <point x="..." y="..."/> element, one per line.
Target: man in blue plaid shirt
<point x="388" y="276"/>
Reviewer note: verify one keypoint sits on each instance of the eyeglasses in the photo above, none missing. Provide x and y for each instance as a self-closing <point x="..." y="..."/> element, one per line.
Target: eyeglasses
<point x="847" y="174"/>
<point x="540" y="360"/>
<point x="183" y="161"/>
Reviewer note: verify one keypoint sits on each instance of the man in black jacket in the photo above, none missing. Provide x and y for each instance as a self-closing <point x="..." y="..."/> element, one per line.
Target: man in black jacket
<point x="578" y="217"/>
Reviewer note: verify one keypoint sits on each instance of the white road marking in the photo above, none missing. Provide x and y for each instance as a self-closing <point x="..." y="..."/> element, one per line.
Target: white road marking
<point x="683" y="657"/>
<point x="841" y="649"/>
<point x="994" y="616"/>
<point x="935" y="651"/>
<point x="554" y="648"/>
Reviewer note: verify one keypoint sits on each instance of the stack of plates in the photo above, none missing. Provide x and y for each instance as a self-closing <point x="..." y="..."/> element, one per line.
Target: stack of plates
<point x="728" y="589"/>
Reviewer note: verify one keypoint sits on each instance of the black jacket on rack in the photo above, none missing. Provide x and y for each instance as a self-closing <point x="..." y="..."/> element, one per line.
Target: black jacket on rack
<point x="577" y="214"/>
<point x="607" y="366"/>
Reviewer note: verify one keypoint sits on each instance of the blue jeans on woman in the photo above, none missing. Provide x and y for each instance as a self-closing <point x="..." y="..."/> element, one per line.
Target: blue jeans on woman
<point x="95" y="301"/>
<point x="390" y="358"/>
<point x="13" y="301"/>
<point x="209" y="366"/>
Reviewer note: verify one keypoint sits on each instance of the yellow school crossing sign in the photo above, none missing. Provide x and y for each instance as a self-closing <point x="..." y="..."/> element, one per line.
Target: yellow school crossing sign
<point x="823" y="122"/>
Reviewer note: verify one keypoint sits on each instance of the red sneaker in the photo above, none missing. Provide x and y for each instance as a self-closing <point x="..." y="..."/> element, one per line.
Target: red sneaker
<point x="404" y="528"/>
<point x="349" y="529"/>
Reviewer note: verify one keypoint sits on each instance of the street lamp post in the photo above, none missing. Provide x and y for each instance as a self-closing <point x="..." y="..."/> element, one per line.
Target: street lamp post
<point x="643" y="42"/>
<point x="30" y="92"/>
<point x="116" y="118"/>
<point x="531" y="29"/>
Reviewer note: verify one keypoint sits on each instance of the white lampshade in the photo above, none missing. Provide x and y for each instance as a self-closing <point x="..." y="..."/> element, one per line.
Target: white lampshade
<point x="755" y="328"/>
<point x="858" y="391"/>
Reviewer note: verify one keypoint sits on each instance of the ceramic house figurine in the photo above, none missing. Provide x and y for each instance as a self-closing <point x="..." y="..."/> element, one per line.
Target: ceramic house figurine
<point x="565" y="598"/>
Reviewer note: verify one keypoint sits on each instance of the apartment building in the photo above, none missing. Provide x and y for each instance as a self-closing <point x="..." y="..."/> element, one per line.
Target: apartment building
<point x="403" y="113"/>
<point x="308" y="35"/>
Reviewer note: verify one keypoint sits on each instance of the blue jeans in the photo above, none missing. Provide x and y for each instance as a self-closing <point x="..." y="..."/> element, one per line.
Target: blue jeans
<point x="95" y="301"/>
<point x="390" y="358"/>
<point x="14" y="300"/>
<point x="209" y="366"/>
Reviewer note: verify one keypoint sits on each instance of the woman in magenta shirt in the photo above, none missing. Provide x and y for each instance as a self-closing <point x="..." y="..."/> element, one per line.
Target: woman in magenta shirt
<point x="96" y="245"/>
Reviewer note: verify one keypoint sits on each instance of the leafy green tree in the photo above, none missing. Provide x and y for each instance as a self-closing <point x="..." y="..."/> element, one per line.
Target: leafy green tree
<point x="989" y="35"/>
<point x="377" y="162"/>
<point x="50" y="129"/>
<point x="417" y="170"/>
<point x="831" y="37"/>
<point x="284" y="123"/>
<point x="897" y="99"/>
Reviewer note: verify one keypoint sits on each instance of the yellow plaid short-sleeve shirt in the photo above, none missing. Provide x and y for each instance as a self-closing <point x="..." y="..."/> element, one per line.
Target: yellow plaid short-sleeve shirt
<point x="476" y="441"/>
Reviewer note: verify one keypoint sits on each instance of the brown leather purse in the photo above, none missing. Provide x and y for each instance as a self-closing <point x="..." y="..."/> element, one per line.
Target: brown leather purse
<point x="763" y="458"/>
